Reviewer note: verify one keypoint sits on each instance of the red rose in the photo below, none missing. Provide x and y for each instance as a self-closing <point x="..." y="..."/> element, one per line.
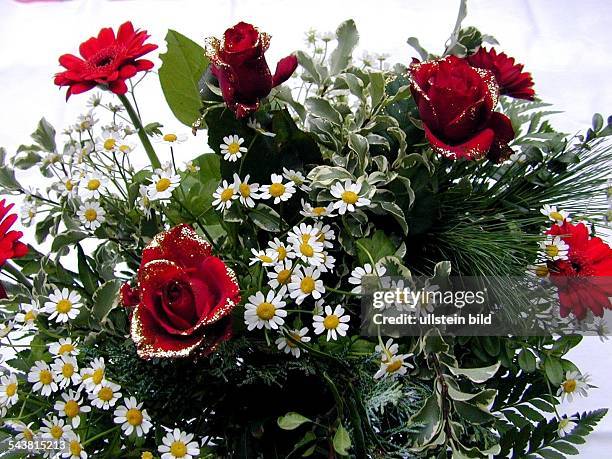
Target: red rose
<point x="107" y="61"/>
<point x="584" y="280"/>
<point x="456" y="103"/>
<point x="509" y="75"/>
<point x="186" y="297"/>
<point x="239" y="63"/>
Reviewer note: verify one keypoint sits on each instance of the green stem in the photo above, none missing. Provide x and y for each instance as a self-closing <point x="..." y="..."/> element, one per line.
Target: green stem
<point x="342" y="292"/>
<point x="100" y="435"/>
<point x="12" y="269"/>
<point x="144" y="138"/>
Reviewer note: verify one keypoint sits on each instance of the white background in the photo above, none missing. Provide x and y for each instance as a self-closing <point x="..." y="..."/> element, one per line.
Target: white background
<point x="563" y="43"/>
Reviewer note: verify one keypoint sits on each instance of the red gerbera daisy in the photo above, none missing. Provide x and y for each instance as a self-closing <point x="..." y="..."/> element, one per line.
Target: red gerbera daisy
<point x="10" y="246"/>
<point x="108" y="60"/>
<point x="510" y="77"/>
<point x="585" y="278"/>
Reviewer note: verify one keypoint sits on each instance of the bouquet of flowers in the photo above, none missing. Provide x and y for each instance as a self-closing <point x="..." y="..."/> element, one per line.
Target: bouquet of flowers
<point x="211" y="308"/>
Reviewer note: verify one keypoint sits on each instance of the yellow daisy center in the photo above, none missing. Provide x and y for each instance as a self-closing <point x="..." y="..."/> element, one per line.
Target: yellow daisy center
<point x="29" y="316"/>
<point x="105" y="394"/>
<point x="67" y="370"/>
<point x="65" y="349"/>
<point x="569" y="386"/>
<point x="109" y="144"/>
<point x="170" y="137"/>
<point x="90" y="215"/>
<point x="283" y="276"/>
<point x="98" y="376"/>
<point x="318" y="210"/>
<point x="134" y="416"/>
<point x="321" y="237"/>
<point x="63" y="306"/>
<point x="163" y="184"/>
<point x="350" y="197"/>
<point x="178" y="449"/>
<point x="233" y="148"/>
<point x="265" y="258"/>
<point x="56" y="432"/>
<point x="28" y="435"/>
<point x="245" y="190"/>
<point x="93" y="184"/>
<point x="556" y="215"/>
<point x="541" y="271"/>
<point x="11" y="389"/>
<point x="307" y="285"/>
<point x="75" y="448"/>
<point x="331" y="322"/>
<point x="71" y="408"/>
<point x="293" y="338"/>
<point x="69" y="185"/>
<point x="227" y="194"/>
<point x="306" y="249"/>
<point x="265" y="311"/>
<point x="146" y="455"/>
<point x="125" y="148"/>
<point x="552" y="250"/>
<point x="394" y="366"/>
<point x="277" y="189"/>
<point x="282" y="253"/>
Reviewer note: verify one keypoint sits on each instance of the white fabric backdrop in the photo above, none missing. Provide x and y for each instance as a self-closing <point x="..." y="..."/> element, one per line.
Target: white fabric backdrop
<point x="564" y="43"/>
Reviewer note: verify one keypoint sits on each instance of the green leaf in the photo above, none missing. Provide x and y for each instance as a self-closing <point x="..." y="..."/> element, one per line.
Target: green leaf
<point x="45" y="136"/>
<point x="347" y="37"/>
<point x="67" y="238"/>
<point x="306" y="61"/>
<point x="378" y="246"/>
<point x="27" y="160"/>
<point x="105" y="299"/>
<point x="377" y="87"/>
<point x="472" y="413"/>
<point x="86" y="275"/>
<point x="342" y="441"/>
<point x="554" y="370"/>
<point x="182" y="67"/>
<point x="397" y="213"/>
<point x="477" y="375"/>
<point x="326" y="175"/>
<point x="265" y="218"/>
<point x="291" y="421"/>
<point x="323" y="109"/>
<point x="527" y="360"/>
<point x="8" y="180"/>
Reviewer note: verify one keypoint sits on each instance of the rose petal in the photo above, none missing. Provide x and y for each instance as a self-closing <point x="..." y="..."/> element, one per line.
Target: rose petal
<point x="284" y="69"/>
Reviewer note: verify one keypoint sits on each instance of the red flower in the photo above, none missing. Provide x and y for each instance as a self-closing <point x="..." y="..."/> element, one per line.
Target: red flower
<point x="107" y="61"/>
<point x="456" y="103"/>
<point x="509" y="75"/>
<point x="239" y="63"/>
<point x="584" y="280"/>
<point x="10" y="246"/>
<point x="186" y="297"/>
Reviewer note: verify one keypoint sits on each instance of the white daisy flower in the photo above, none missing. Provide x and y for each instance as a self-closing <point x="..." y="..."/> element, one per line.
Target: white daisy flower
<point x="85" y="122"/>
<point x="28" y="212"/>
<point x="288" y="344"/>
<point x="94" y="100"/>
<point x="74" y="448"/>
<point x="255" y="125"/>
<point x="105" y="396"/>
<point x="557" y="216"/>
<point x="63" y="305"/>
<point x="82" y="152"/>
<point x="387" y="350"/>
<point x="306" y="245"/>
<point x="173" y="138"/>
<point x="334" y="322"/>
<point x="317" y="212"/>
<point x="348" y="195"/>
<point x="232" y="148"/>
<point x="278" y="190"/>
<point x="329" y="263"/>
<point x="191" y="167"/>
<point x="574" y="384"/>
<point x="91" y="215"/>
<point x="27" y="316"/>
<point x="109" y="141"/>
<point x="54" y="428"/>
<point x="297" y="178"/>
<point x="65" y="346"/>
<point x="540" y="270"/>
<point x="8" y="390"/>
<point x="281" y="274"/>
<point x="43" y="378"/>
<point x="224" y="195"/>
<point x="325" y="234"/>
<point x="92" y="185"/>
<point x="95" y="375"/>
<point x="265" y="257"/>
<point x="392" y="366"/>
<point x="125" y="147"/>
<point x="24" y="432"/>
<point x="179" y="445"/>
<point x="566" y="425"/>
<point x="327" y="36"/>
<point x="133" y="419"/>
<point x="247" y="192"/>
<point x="68" y="187"/>
<point x="555" y="248"/>
<point x="357" y="275"/>
<point x="163" y="183"/>
<point x="283" y="251"/>
<point x="71" y="407"/>
<point x="304" y="283"/>
<point x="144" y="202"/>
<point x="265" y="311"/>
<point x="66" y="371"/>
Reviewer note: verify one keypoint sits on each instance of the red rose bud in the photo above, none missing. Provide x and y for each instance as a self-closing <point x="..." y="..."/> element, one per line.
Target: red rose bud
<point x="107" y="60"/>
<point x="509" y="75"/>
<point x="456" y="104"/>
<point x="128" y="296"/>
<point x="584" y="280"/>
<point x="186" y="297"/>
<point x="239" y="64"/>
